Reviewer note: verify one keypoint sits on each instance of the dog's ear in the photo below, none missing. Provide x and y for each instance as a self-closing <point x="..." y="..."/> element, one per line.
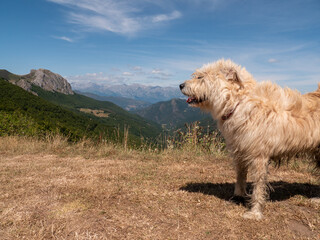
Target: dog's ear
<point x="233" y="76"/>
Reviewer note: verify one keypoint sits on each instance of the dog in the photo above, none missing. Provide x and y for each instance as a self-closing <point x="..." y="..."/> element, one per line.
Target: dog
<point x="259" y="121"/>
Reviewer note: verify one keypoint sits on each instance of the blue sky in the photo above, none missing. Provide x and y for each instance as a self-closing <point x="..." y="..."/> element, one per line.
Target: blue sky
<point x="162" y="42"/>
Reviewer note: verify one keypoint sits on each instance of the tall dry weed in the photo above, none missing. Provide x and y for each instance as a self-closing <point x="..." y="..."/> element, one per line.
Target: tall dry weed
<point x="194" y="140"/>
<point x="56" y="144"/>
<point x="197" y="139"/>
<point x="19" y="145"/>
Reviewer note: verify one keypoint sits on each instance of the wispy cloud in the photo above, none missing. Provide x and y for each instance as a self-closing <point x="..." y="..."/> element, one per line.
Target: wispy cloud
<point x="292" y="65"/>
<point x="272" y="60"/>
<point x="288" y="68"/>
<point x="127" y="74"/>
<point x="160" y="74"/>
<point x="136" y="68"/>
<point x="287" y="59"/>
<point x="64" y="38"/>
<point x="166" y="17"/>
<point x="118" y="16"/>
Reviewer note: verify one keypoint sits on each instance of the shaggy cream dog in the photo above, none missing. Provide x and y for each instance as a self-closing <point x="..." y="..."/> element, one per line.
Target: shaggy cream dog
<point x="259" y="121"/>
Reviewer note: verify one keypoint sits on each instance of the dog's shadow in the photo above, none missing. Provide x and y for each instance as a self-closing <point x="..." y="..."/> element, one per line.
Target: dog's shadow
<point x="279" y="190"/>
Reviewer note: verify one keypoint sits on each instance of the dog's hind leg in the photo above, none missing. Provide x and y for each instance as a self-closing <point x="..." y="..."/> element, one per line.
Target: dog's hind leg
<point x="316" y="199"/>
<point x="317" y="157"/>
<point x="259" y="193"/>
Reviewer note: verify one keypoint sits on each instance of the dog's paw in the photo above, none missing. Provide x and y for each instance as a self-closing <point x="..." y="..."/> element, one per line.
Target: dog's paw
<point x="253" y="215"/>
<point x="239" y="200"/>
<point x="315" y="200"/>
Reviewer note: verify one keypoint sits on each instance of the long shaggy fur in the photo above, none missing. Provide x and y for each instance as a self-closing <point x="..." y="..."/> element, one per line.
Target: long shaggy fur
<point x="259" y="121"/>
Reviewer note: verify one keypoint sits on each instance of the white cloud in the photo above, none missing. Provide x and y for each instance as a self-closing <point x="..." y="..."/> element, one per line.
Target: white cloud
<point x="118" y="16"/>
<point x="136" y="68"/>
<point x="156" y="71"/>
<point x="127" y="74"/>
<point x="123" y="25"/>
<point x="160" y="75"/>
<point x="92" y="74"/>
<point x="90" y="77"/>
<point x="65" y="39"/>
<point x="166" y="17"/>
<point x="272" y="60"/>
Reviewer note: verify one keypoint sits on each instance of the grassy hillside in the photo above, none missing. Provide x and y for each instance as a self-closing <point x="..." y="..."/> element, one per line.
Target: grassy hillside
<point x="117" y="117"/>
<point x="22" y="113"/>
<point x="25" y="114"/>
<point x="8" y="75"/>
<point x="56" y="190"/>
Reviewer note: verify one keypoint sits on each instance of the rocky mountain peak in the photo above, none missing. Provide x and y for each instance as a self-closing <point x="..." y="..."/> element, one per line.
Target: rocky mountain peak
<point x="50" y="81"/>
<point x="43" y="78"/>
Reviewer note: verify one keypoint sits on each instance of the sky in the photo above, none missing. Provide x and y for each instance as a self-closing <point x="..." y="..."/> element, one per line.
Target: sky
<point x="161" y="43"/>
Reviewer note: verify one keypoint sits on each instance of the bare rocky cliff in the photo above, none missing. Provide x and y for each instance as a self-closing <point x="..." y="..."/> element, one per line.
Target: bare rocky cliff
<point x="45" y="79"/>
<point x="51" y="81"/>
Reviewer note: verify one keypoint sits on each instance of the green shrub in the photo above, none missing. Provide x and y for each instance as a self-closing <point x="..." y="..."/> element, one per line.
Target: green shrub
<point x="16" y="123"/>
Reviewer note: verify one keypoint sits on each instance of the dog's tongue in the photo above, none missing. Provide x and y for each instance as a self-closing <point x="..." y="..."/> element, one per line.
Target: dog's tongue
<point x="189" y="100"/>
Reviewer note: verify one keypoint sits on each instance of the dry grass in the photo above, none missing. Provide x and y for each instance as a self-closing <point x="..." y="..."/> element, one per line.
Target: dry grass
<point x="54" y="190"/>
<point x="97" y="113"/>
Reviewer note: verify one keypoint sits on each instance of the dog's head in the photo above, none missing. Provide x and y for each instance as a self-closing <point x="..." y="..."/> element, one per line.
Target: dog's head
<point x="215" y="86"/>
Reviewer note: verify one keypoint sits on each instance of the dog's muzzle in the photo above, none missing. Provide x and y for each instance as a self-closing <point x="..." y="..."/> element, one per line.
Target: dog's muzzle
<point x="190" y="100"/>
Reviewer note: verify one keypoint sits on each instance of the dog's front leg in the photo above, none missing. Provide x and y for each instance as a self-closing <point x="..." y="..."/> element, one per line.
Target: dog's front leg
<point x="258" y="197"/>
<point x="241" y="184"/>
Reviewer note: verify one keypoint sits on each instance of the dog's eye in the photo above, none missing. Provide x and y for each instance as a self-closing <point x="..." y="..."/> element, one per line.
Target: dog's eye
<point x="199" y="77"/>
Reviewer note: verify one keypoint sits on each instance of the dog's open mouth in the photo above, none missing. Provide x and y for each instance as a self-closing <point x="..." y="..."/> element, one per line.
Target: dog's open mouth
<point x="193" y="100"/>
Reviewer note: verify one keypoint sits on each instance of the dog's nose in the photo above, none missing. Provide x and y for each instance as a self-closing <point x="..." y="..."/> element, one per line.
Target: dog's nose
<point x="181" y="86"/>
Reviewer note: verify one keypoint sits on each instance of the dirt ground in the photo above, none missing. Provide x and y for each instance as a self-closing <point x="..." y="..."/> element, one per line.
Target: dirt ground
<point x="135" y="195"/>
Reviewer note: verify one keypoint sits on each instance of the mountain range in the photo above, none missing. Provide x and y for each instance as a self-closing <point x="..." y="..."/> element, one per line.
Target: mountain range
<point x="149" y="94"/>
<point x="128" y="104"/>
<point x="174" y="114"/>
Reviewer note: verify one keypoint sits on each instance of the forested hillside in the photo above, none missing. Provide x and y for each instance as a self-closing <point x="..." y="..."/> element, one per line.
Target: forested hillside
<point x="22" y="113"/>
<point x="115" y="115"/>
<point x="175" y="113"/>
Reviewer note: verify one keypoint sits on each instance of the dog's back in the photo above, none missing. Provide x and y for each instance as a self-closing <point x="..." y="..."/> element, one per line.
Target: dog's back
<point x="314" y="96"/>
<point x="286" y="111"/>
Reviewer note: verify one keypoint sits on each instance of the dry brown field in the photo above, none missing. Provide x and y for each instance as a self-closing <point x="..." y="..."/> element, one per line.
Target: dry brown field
<point x="56" y="190"/>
